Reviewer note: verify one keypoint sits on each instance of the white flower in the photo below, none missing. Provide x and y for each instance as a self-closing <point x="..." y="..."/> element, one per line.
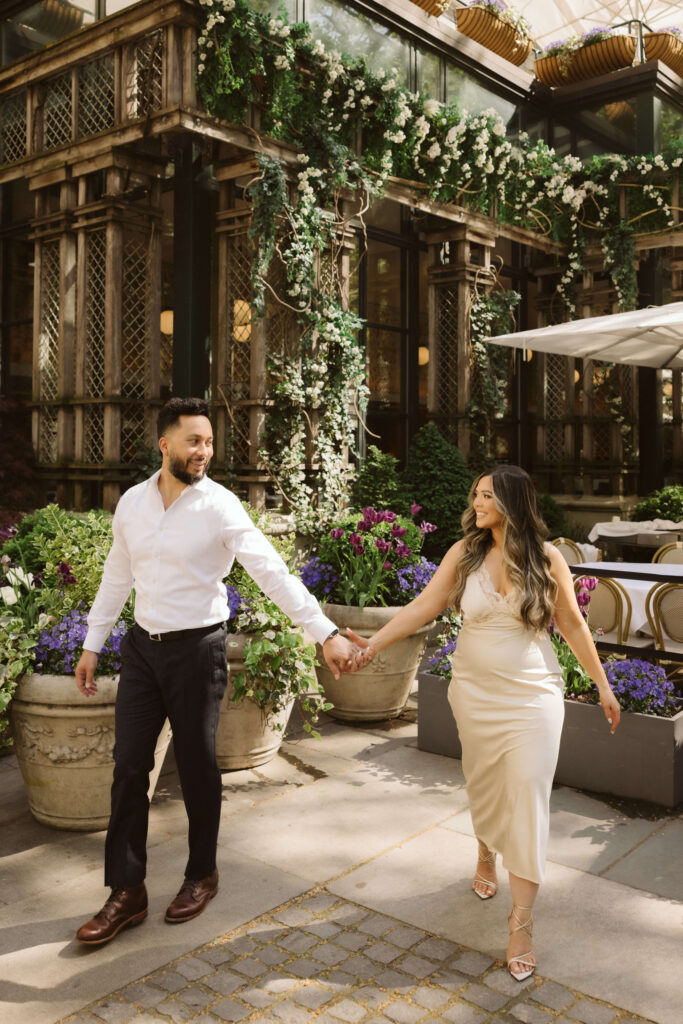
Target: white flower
<point x="434" y="151"/>
<point x="9" y="595"/>
<point x="281" y="63"/>
<point x="432" y="108"/>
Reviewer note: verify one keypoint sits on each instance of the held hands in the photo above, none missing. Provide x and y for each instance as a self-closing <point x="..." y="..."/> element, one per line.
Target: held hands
<point x="85" y="673"/>
<point x="610" y="706"/>
<point x="343" y="656"/>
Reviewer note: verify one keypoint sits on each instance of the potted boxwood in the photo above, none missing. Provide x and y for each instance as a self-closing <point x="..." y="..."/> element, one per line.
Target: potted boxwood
<point x="643" y="760"/>
<point x="63" y="740"/>
<point x="367" y="565"/>
<point x="270" y="667"/>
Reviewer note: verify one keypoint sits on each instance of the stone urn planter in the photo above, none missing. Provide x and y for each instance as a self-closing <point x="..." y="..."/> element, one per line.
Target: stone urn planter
<point x="247" y="734"/>
<point x="601" y="57"/>
<point x="64" y="745"/>
<point x="643" y="760"/>
<point x="665" y="46"/>
<point x="485" y="27"/>
<point x="380" y="690"/>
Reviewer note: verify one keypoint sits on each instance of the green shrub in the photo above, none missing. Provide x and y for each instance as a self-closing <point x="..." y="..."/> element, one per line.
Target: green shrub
<point x="554" y="516"/>
<point x="378" y="482"/>
<point x="437" y="478"/>
<point x="664" y="504"/>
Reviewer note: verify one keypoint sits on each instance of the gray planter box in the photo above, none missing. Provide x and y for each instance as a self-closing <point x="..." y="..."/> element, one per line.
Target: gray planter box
<point x="642" y="761"/>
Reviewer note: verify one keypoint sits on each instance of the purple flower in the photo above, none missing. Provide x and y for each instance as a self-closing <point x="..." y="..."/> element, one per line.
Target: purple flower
<point x="364" y="525"/>
<point x="398" y="531"/>
<point x="412" y="579"/>
<point x="415" y="508"/>
<point x="589" y="582"/>
<point x="59" y="646"/>
<point x="583" y="599"/>
<point x="383" y="545"/>
<point x="387" y="565"/>
<point x="66" y="577"/>
<point x="426" y="528"/>
<point x="318" y="577"/>
<point x="337" y="533"/>
<point x="641" y="686"/>
<point x="385" y="516"/>
<point x="356" y="542"/>
<point x="402" y="550"/>
<point x="370" y="516"/>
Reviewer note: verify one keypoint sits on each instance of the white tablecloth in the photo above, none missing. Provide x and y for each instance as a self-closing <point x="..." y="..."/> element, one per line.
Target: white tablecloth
<point x="623" y="528"/>
<point x="590" y="552"/>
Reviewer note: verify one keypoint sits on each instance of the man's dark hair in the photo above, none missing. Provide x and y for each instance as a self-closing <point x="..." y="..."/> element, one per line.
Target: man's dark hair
<point x="170" y="413"/>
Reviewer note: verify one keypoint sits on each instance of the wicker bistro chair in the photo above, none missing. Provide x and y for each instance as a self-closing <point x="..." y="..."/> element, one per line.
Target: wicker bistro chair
<point x="569" y="549"/>
<point x="670" y="553"/>
<point x="664" y="609"/>
<point x="610" y="610"/>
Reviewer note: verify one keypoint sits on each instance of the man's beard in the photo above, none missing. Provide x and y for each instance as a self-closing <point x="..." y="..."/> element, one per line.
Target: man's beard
<point x="180" y="471"/>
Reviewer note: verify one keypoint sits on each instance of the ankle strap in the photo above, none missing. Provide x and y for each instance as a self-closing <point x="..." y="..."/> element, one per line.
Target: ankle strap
<point x="487" y="858"/>
<point x="521" y="926"/>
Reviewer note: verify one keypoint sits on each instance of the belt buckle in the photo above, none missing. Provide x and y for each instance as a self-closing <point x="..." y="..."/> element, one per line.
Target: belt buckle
<point x="156" y="637"/>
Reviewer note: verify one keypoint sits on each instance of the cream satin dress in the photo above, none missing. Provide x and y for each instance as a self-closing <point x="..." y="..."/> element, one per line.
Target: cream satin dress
<point x="506" y="693"/>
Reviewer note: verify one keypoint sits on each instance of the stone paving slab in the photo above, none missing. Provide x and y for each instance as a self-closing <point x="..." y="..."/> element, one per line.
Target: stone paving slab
<point x="319" y="958"/>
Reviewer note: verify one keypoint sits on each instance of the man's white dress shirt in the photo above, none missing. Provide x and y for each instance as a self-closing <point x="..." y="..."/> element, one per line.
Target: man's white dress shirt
<point x="177" y="558"/>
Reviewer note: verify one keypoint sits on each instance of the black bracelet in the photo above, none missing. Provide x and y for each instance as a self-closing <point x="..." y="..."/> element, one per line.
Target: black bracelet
<point x="335" y="632"/>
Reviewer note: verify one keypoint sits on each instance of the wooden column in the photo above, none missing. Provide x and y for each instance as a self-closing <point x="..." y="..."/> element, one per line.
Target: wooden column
<point x="113" y="317"/>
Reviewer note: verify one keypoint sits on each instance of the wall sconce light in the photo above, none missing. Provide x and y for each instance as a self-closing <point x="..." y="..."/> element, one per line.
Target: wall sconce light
<point x="166" y="321"/>
<point x="577" y="376"/>
<point x="241" y="320"/>
<point x="528" y="355"/>
<point x="422" y="355"/>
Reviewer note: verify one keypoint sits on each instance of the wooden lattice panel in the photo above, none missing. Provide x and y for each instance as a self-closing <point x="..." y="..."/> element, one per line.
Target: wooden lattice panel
<point x="13" y="128"/>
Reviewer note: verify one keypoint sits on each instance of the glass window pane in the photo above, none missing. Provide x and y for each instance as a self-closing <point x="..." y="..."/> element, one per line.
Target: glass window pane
<point x="18" y="380"/>
<point x="41" y="24"/>
<point x="429" y="78"/>
<point x="470" y="95"/>
<point x="384" y="368"/>
<point x="383" y="283"/>
<point x="274" y="7"/>
<point x="343" y="29"/>
<point x="670" y="124"/>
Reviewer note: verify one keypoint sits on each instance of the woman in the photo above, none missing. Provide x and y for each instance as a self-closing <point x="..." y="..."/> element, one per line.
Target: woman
<point x="506" y="689"/>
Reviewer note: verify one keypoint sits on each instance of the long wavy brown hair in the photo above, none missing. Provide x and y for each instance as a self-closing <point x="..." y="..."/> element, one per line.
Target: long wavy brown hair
<point x="524" y="536"/>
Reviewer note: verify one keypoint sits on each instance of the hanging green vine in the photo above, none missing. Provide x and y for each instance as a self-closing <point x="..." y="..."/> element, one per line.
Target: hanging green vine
<point x="354" y="130"/>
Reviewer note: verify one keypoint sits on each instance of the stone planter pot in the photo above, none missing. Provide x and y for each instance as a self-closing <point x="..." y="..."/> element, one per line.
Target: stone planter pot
<point x="380" y="690"/>
<point x="247" y="735"/>
<point x="602" y="57"/>
<point x="642" y="761"/>
<point x="482" y="25"/>
<point x="64" y="745"/>
<point x="664" y="46"/>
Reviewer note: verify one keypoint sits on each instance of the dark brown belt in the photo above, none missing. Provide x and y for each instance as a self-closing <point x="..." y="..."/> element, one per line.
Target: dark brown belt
<point x="180" y="634"/>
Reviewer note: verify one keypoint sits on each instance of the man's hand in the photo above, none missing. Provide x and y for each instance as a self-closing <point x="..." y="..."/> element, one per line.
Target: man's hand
<point x="339" y="655"/>
<point x="85" y="673"/>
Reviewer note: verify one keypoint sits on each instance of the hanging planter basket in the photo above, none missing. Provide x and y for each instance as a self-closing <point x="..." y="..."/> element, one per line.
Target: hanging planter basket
<point x="435" y="7"/>
<point x="497" y="35"/>
<point x="601" y="57"/>
<point x="552" y="71"/>
<point x="667" y="47"/>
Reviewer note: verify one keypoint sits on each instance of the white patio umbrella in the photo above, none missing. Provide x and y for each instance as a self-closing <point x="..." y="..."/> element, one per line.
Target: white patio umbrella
<point x="644" y="337"/>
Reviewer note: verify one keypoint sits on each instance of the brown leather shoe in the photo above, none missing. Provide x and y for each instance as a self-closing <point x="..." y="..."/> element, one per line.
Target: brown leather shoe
<point x="123" y="908"/>
<point x="192" y="898"/>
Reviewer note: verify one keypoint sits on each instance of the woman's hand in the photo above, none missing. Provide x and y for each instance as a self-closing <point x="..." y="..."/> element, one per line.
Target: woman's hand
<point x="610" y="706"/>
<point x="365" y="652"/>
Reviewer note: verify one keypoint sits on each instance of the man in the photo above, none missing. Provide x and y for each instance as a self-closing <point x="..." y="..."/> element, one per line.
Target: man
<point x="175" y="538"/>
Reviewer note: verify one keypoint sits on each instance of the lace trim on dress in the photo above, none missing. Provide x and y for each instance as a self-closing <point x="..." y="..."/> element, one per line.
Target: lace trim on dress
<point x="488" y="587"/>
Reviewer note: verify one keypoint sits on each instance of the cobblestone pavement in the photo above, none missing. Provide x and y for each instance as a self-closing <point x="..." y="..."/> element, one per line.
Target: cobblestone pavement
<point x="322" y="959"/>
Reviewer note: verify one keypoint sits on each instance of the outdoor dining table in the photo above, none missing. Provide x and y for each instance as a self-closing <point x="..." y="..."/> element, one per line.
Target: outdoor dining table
<point x="651" y="533"/>
<point x="637" y="578"/>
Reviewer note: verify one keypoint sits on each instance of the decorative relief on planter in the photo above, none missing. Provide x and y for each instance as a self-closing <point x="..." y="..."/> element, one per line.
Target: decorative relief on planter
<point x="41" y="744"/>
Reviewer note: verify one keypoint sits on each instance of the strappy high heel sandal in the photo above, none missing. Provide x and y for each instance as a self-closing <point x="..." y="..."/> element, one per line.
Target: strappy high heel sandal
<point x="524" y="959"/>
<point x="487" y="858"/>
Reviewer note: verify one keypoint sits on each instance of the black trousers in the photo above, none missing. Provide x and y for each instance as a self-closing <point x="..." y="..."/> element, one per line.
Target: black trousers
<point x="184" y="680"/>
